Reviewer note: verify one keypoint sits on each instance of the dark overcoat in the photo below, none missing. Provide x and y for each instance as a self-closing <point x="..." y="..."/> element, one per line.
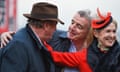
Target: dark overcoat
<point x="24" y="53"/>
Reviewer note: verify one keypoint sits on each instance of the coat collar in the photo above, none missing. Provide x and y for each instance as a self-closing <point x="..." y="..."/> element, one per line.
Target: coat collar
<point x="35" y="38"/>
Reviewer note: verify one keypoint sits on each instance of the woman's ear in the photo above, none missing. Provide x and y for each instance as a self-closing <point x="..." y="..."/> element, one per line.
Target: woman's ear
<point x="95" y="33"/>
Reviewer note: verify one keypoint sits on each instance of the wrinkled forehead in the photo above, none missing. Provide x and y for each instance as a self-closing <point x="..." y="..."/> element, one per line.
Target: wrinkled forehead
<point x="80" y="19"/>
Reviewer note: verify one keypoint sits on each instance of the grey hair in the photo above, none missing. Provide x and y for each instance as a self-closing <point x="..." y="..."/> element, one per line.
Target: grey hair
<point x="86" y="14"/>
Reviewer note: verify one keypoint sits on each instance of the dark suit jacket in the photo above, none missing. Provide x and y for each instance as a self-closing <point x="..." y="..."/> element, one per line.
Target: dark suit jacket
<point x="60" y="42"/>
<point x="25" y="54"/>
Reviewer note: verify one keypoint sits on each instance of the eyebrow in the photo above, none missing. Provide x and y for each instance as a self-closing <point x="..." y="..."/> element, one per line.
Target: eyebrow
<point x="77" y="23"/>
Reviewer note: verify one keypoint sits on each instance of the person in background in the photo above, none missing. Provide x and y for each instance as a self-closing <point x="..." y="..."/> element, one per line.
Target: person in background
<point x="26" y="52"/>
<point x="73" y="40"/>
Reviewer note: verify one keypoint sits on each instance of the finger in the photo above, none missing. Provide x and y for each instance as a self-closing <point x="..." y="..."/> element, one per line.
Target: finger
<point x="6" y="40"/>
<point x="3" y="42"/>
<point x="12" y="32"/>
<point x="1" y="45"/>
<point x="5" y="37"/>
<point x="8" y="37"/>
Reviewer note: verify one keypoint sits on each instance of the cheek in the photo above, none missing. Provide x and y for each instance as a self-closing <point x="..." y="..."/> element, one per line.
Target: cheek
<point x="102" y="37"/>
<point x="52" y="30"/>
<point x="105" y="40"/>
<point x="69" y="28"/>
<point x="80" y="35"/>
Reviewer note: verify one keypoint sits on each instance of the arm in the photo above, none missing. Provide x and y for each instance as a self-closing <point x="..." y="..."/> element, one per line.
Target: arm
<point x="69" y="59"/>
<point x="5" y="38"/>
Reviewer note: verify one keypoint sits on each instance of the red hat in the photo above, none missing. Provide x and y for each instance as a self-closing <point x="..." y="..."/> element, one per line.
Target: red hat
<point x="102" y="22"/>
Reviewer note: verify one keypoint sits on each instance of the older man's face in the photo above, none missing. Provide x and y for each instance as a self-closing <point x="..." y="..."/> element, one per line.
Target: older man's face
<point x="79" y="28"/>
<point x="49" y="28"/>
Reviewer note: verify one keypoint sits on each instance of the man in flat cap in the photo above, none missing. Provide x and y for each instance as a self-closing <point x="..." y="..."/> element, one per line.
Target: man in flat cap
<point x="27" y="52"/>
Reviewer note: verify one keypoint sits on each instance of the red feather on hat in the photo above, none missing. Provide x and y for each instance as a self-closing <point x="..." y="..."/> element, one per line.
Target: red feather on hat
<point x="102" y="19"/>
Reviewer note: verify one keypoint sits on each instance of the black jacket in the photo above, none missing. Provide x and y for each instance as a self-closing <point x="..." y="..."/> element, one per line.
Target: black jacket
<point x="25" y="54"/>
<point x="104" y="62"/>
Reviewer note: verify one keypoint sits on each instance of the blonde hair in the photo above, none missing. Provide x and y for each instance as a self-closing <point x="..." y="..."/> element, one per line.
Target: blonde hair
<point x="115" y="22"/>
<point x="89" y="37"/>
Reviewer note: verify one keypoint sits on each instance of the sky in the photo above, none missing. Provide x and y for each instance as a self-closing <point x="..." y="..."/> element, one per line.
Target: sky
<point x="67" y="8"/>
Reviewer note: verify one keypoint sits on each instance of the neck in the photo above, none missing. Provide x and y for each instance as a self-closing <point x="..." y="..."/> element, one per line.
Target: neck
<point x="79" y="44"/>
<point x="102" y="48"/>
